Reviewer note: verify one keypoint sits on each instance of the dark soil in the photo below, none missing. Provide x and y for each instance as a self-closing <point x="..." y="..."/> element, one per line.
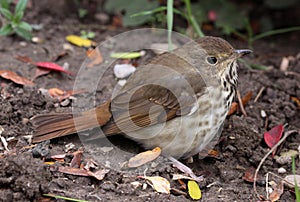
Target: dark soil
<point x="241" y="146"/>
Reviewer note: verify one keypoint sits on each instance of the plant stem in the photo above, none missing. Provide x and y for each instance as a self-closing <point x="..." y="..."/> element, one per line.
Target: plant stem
<point x="191" y="18"/>
<point x="170" y="22"/>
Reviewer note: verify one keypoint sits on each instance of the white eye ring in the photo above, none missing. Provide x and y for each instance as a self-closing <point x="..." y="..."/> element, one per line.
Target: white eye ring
<point x="212" y="60"/>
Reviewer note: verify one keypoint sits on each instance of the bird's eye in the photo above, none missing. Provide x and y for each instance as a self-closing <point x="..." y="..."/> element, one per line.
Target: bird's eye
<point x="211" y="60"/>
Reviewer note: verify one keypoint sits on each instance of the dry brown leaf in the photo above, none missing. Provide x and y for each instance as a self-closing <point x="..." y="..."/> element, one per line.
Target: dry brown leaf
<point x="277" y="192"/>
<point x="55" y="92"/>
<point x="76" y="160"/>
<point x="95" y="57"/>
<point x="160" y="184"/>
<point x="99" y="175"/>
<point x="7" y="74"/>
<point x="234" y="106"/>
<point x="25" y="59"/>
<point x="144" y="157"/>
<point x="249" y="175"/>
<point x="296" y="100"/>
<point x="73" y="171"/>
<point x="59" y="157"/>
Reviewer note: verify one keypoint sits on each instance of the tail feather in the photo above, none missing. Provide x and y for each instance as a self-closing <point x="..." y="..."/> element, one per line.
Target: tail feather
<point x="49" y="126"/>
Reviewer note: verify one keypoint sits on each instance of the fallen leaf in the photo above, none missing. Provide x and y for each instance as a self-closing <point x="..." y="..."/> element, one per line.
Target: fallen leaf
<point x="52" y="66"/>
<point x="144" y="157"/>
<point x="95" y="57"/>
<point x="277" y="192"/>
<point x="55" y="92"/>
<point x="234" y="106"/>
<point x="15" y="78"/>
<point x="99" y="175"/>
<point x="73" y="171"/>
<point x="60" y="56"/>
<point x="249" y="175"/>
<point x="296" y="100"/>
<point x="40" y="72"/>
<point x="194" y="190"/>
<point x="127" y="55"/>
<point x="158" y="183"/>
<point x="25" y="59"/>
<point x="289" y="180"/>
<point x="272" y="136"/>
<point x="78" y="41"/>
<point x="76" y="160"/>
<point x="180" y="177"/>
<point x="58" y="157"/>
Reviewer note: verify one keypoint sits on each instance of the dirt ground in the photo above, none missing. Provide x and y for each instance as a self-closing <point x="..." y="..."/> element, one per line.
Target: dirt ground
<point x="25" y="177"/>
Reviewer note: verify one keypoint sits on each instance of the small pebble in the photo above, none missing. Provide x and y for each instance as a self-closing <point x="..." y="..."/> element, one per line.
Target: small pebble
<point x="65" y="103"/>
<point x="123" y="70"/>
<point x="69" y="146"/>
<point x="281" y="170"/>
<point x="263" y="114"/>
<point x="136" y="184"/>
<point x="106" y="149"/>
<point x="122" y="82"/>
<point x="144" y="186"/>
<point x="23" y="43"/>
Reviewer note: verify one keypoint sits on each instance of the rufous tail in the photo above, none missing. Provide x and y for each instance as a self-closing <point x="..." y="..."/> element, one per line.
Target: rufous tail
<point x="49" y="126"/>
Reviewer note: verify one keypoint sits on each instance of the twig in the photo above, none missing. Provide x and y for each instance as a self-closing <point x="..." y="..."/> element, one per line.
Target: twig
<point x="266" y="156"/>
<point x="241" y="103"/>
<point x="259" y="93"/>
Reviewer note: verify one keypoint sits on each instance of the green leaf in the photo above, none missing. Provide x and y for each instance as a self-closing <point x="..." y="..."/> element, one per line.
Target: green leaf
<point x="20" y="6"/>
<point x="7" y="14"/>
<point x="26" y="26"/>
<point x="17" y="18"/>
<point x="6" y="30"/>
<point x="5" y="4"/>
<point x="23" y="33"/>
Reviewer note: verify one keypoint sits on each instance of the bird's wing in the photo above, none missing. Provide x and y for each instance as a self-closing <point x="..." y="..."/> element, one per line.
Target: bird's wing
<point x="170" y="90"/>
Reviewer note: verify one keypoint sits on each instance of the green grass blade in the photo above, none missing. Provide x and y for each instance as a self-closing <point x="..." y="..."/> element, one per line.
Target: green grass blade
<point x="276" y="31"/>
<point x="170" y="22"/>
<point x="64" y="198"/>
<point x="297" y="192"/>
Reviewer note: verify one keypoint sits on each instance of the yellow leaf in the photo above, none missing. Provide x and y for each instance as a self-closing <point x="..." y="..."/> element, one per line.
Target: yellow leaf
<point x="194" y="190"/>
<point x="160" y="184"/>
<point x="127" y="55"/>
<point x="78" y="41"/>
<point x="144" y="157"/>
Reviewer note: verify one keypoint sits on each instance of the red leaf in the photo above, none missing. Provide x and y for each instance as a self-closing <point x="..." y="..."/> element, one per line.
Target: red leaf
<point x="273" y="136"/>
<point x="52" y="66"/>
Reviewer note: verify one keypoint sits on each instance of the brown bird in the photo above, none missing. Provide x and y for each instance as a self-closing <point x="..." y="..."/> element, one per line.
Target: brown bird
<point x="178" y="101"/>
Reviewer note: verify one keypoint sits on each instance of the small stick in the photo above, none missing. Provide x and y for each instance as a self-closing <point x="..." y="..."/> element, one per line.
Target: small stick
<point x="266" y="156"/>
<point x="259" y="93"/>
<point x="241" y="103"/>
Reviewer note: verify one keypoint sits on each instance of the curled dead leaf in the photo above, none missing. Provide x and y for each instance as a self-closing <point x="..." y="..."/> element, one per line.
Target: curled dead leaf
<point x="7" y="74"/>
<point x="160" y="184"/>
<point x="144" y="157"/>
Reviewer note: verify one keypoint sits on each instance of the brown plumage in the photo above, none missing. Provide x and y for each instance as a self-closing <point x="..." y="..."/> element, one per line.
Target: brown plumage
<point x="173" y="88"/>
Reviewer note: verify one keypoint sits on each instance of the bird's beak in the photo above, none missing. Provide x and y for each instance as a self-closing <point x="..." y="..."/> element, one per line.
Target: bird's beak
<point x="242" y="52"/>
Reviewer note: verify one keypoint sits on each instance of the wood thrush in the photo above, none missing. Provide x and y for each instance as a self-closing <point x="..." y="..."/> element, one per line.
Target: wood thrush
<point x="178" y="101"/>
